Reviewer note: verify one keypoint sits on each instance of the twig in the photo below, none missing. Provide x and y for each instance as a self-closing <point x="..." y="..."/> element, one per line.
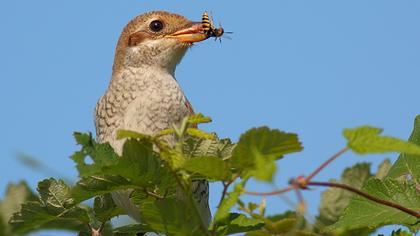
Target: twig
<point x="155" y="195"/>
<point x="97" y="232"/>
<point x="302" y="182"/>
<point x="301" y="178"/>
<point x="225" y="188"/>
<point x="224" y="192"/>
<point x="366" y="195"/>
<point x="301" y="202"/>
<point x="323" y="165"/>
<point x="284" y="190"/>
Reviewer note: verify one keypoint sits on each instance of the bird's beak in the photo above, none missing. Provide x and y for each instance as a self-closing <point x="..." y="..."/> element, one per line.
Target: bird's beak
<point x="191" y="34"/>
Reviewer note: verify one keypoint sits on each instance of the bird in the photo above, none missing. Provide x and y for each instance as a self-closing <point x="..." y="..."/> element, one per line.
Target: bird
<point x="143" y="94"/>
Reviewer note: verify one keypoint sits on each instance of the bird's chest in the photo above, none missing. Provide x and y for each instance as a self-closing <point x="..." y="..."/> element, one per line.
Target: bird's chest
<point x="158" y="107"/>
<point x="145" y="106"/>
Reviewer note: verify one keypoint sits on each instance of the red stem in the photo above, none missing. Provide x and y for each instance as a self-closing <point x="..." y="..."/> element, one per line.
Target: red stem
<point x="365" y="195"/>
<point x="327" y="162"/>
<point x="284" y="190"/>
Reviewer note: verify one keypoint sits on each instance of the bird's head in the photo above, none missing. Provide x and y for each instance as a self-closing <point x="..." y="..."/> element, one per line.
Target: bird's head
<point x="158" y="39"/>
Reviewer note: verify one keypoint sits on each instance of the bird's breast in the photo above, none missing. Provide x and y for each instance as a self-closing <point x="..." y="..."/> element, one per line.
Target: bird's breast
<point x="142" y="102"/>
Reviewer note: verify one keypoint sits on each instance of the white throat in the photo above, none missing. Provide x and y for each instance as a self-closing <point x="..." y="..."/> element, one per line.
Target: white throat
<point x="165" y="54"/>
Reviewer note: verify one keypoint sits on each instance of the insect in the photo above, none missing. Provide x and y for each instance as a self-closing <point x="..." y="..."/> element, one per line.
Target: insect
<point x="209" y="29"/>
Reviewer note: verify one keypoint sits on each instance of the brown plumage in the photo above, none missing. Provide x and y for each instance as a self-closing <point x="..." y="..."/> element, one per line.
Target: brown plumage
<point x="135" y="32"/>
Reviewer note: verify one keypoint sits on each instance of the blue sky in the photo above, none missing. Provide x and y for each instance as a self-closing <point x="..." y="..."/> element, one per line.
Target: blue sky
<point x="310" y="67"/>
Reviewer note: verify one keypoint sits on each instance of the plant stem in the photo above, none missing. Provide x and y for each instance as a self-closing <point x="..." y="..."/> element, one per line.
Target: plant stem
<point x="191" y="200"/>
<point x="97" y="232"/>
<point x="225" y="188"/>
<point x="366" y="195"/>
<point x="157" y="196"/>
<point x="284" y="190"/>
<point x="327" y="162"/>
<point x="301" y="208"/>
<point x="306" y="179"/>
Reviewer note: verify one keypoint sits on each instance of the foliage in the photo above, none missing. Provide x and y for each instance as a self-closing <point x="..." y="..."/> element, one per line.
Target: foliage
<point x="159" y="176"/>
<point x="364" y="213"/>
<point x="259" y="148"/>
<point x="335" y="200"/>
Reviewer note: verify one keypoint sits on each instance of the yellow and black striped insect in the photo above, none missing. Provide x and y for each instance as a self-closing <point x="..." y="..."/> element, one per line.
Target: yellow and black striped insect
<point x="209" y="29"/>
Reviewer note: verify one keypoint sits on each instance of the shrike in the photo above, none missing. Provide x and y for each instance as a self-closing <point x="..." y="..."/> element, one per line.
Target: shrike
<point x="143" y="95"/>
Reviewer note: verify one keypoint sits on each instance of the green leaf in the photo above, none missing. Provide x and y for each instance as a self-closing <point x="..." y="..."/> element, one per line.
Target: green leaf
<point x="166" y="132"/>
<point x="34" y="216"/>
<point x="294" y="233"/>
<point x="138" y="196"/>
<point x="210" y="167"/>
<point x="335" y="200"/>
<point x="55" y="193"/>
<point x="366" y="139"/>
<point x="122" y="134"/>
<point x="132" y="229"/>
<point x="16" y="194"/>
<point x="230" y="200"/>
<point x="288" y="223"/>
<point x="283" y="223"/>
<point x="83" y="139"/>
<point x="169" y="216"/>
<point x="265" y="168"/>
<point x="199" y="133"/>
<point x="383" y="169"/>
<point x="258" y="148"/>
<point x="408" y="164"/>
<point x="363" y="213"/>
<point x="258" y="233"/>
<point x="4" y="227"/>
<point x="252" y="206"/>
<point x="141" y="165"/>
<point x="54" y="210"/>
<point x="105" y="208"/>
<point x="269" y="142"/>
<point x="196" y="147"/>
<point x="238" y="223"/>
<point x="101" y="154"/>
<point x="138" y="167"/>
<point x="89" y="187"/>
<point x="400" y="232"/>
<point x="198" y="119"/>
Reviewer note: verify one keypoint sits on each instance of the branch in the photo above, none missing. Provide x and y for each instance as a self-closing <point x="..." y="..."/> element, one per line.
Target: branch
<point x="97" y="232"/>
<point x="284" y="190"/>
<point x="155" y="195"/>
<point x="301" y="179"/>
<point x="301" y="207"/>
<point x="366" y="195"/>
<point x="327" y="162"/>
<point x="302" y="182"/>
<point x="225" y="188"/>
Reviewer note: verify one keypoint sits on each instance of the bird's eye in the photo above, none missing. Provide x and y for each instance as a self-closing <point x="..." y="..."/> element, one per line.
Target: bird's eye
<point x="156" y="26"/>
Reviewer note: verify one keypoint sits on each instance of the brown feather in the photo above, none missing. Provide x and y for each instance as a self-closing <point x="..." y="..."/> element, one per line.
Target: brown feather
<point x="136" y="31"/>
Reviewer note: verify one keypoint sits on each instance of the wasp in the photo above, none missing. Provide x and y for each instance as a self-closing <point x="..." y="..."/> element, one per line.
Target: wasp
<point x="209" y="29"/>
